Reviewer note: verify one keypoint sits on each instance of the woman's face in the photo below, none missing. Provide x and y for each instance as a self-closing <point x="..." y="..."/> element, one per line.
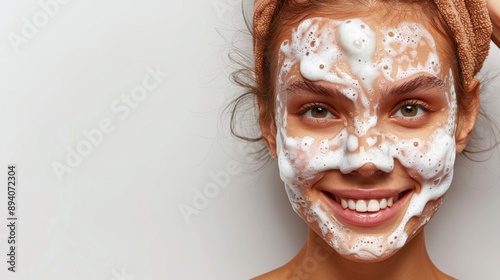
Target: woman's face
<point x="366" y="121"/>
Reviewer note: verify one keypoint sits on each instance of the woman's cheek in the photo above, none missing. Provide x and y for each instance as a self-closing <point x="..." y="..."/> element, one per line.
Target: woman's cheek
<point x="296" y="160"/>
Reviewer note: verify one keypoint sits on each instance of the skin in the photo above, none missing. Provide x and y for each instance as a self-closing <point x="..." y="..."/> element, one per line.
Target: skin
<point x="318" y="259"/>
<point x="494" y="10"/>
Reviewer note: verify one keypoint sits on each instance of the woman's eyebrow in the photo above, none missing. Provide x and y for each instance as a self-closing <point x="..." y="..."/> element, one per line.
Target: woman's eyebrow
<point x="317" y="89"/>
<point x="422" y="82"/>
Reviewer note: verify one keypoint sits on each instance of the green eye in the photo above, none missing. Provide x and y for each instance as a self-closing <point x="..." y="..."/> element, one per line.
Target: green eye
<point x="317" y="112"/>
<point x="410" y="111"/>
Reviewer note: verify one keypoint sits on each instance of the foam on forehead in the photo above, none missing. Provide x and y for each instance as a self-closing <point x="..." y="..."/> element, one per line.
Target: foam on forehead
<point x="468" y="21"/>
<point x="348" y="53"/>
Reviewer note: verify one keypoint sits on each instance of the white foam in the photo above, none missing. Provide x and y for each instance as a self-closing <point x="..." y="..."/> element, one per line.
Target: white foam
<point x="343" y="53"/>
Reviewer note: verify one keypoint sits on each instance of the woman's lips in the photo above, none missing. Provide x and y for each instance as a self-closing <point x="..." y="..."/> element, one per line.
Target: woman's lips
<point x="368" y="212"/>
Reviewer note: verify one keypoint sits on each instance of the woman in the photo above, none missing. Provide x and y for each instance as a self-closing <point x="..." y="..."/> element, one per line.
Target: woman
<point x="365" y="104"/>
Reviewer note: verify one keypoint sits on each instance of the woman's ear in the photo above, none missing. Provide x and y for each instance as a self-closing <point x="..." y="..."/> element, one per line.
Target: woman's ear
<point x="467" y="118"/>
<point x="268" y="128"/>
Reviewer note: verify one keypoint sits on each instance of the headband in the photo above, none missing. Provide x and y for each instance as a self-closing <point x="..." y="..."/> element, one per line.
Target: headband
<point x="468" y="21"/>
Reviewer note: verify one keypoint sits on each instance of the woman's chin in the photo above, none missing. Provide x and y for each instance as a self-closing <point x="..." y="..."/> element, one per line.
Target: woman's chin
<point x="361" y="243"/>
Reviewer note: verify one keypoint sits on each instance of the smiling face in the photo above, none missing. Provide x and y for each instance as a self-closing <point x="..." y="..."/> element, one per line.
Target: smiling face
<point x="366" y="121"/>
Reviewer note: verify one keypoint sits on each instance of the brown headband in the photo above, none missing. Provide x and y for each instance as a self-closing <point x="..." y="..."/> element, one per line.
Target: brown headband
<point x="468" y="20"/>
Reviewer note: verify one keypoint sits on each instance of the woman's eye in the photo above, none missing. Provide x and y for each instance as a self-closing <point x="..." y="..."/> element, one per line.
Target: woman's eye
<point x="408" y="111"/>
<point x="317" y="112"/>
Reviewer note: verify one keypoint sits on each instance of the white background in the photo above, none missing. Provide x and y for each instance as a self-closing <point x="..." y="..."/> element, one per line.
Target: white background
<point x="116" y="214"/>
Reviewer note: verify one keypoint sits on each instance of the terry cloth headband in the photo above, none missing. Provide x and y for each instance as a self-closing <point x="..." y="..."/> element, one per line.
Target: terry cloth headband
<point x="468" y="21"/>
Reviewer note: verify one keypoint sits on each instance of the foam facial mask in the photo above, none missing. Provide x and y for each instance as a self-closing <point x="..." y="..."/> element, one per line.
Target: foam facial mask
<point x="361" y="62"/>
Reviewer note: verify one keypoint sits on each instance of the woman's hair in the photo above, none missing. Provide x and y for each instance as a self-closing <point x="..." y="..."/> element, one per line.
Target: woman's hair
<point x="289" y="13"/>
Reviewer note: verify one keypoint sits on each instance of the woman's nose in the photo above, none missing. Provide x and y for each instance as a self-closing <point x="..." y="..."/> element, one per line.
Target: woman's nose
<point x="368" y="141"/>
<point x="367" y="170"/>
<point x="366" y="155"/>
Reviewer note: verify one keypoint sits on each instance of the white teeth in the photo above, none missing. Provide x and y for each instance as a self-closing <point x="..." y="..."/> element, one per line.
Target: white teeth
<point x="383" y="203"/>
<point x="351" y="204"/>
<point x="373" y="205"/>
<point x="389" y="202"/>
<point x="360" y="205"/>
<point x="343" y="203"/>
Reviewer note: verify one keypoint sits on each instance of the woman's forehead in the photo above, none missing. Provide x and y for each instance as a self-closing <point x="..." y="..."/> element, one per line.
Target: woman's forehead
<point x="361" y="51"/>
